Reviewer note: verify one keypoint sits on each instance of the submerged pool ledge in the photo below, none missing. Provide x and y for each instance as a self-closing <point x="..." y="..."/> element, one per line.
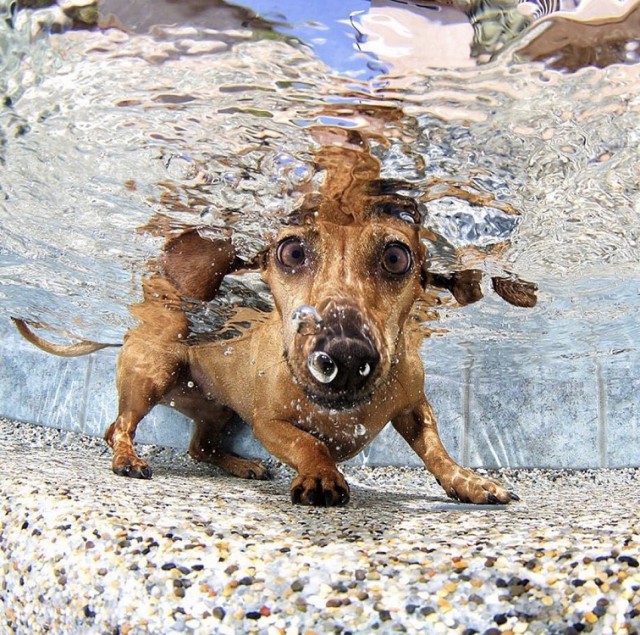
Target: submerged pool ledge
<point x="491" y="413"/>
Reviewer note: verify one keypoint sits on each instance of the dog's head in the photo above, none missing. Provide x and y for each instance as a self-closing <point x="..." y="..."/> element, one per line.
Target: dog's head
<point x="344" y="292"/>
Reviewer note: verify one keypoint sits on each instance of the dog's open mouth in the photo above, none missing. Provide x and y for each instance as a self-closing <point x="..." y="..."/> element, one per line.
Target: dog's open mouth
<point x="337" y="400"/>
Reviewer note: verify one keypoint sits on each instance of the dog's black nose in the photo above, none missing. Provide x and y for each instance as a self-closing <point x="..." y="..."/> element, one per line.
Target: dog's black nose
<point x="344" y="363"/>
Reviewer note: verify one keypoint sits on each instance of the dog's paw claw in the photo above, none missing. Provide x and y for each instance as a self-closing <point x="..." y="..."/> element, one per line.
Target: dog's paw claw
<point x="256" y="472"/>
<point x="451" y="493"/>
<point x="296" y="495"/>
<point x="262" y="475"/>
<point x="146" y="472"/>
<point x="514" y="497"/>
<point x="236" y="466"/>
<point x="497" y="495"/>
<point x="320" y="490"/>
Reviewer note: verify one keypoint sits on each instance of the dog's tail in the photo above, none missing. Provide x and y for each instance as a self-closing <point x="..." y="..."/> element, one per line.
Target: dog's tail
<point x="83" y="347"/>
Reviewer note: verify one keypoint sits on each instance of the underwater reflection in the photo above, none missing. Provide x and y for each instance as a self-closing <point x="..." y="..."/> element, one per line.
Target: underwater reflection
<point x="220" y="285"/>
<point x="513" y="168"/>
<point x="599" y="33"/>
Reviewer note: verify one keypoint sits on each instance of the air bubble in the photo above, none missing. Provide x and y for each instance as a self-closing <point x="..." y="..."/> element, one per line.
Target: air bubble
<point x="322" y="367"/>
<point x="306" y="320"/>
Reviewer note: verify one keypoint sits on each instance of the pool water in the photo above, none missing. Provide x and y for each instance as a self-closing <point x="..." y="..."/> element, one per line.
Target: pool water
<point x="207" y="113"/>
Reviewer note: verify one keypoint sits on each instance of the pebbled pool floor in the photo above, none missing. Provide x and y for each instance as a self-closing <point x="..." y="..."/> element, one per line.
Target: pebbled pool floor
<point x="194" y="551"/>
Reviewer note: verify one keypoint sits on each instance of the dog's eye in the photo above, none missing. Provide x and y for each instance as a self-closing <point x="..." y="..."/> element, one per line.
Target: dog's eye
<point x="396" y="259"/>
<point x="290" y="253"/>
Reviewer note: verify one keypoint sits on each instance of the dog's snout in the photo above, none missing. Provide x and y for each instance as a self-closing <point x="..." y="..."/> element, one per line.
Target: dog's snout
<point x="344" y="363"/>
<point x="342" y="358"/>
<point x="322" y="366"/>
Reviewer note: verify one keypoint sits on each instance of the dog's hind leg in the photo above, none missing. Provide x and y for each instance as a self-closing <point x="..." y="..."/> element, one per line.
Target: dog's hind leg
<point x="206" y="442"/>
<point x="119" y="437"/>
<point x="143" y="379"/>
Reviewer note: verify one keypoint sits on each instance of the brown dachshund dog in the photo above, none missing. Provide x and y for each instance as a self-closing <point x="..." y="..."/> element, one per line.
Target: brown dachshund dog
<point x="317" y="378"/>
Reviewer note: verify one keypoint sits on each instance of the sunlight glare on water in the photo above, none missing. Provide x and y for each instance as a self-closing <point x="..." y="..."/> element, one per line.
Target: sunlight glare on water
<point x="112" y="137"/>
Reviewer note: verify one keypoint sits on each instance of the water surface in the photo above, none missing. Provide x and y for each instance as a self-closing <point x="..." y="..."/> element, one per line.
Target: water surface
<point x="207" y="114"/>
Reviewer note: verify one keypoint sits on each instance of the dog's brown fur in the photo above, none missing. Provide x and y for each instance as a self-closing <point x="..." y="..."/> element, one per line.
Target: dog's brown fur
<point x="344" y="264"/>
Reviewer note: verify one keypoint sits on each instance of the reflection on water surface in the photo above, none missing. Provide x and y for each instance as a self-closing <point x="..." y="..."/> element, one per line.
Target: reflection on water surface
<point x="517" y="141"/>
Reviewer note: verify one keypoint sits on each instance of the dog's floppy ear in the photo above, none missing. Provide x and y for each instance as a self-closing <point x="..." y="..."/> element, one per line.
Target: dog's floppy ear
<point x="197" y="265"/>
<point x="463" y="285"/>
<point x="515" y="291"/>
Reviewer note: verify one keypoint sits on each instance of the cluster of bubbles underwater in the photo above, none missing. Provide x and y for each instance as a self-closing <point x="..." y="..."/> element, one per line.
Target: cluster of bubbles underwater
<point x="114" y="136"/>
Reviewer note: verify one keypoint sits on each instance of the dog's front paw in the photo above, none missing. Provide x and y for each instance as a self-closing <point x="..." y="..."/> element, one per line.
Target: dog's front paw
<point x="468" y="487"/>
<point x="131" y="467"/>
<point x="324" y="489"/>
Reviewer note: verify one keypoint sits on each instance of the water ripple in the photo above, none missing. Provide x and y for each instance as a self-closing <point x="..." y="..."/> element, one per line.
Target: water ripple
<point x="110" y="139"/>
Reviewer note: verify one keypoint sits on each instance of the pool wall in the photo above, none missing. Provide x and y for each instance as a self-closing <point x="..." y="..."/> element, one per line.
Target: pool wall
<point x="492" y="411"/>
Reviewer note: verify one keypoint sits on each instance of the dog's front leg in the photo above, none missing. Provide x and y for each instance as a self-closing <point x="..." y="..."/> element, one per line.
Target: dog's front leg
<point x="318" y="482"/>
<point x="418" y="428"/>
